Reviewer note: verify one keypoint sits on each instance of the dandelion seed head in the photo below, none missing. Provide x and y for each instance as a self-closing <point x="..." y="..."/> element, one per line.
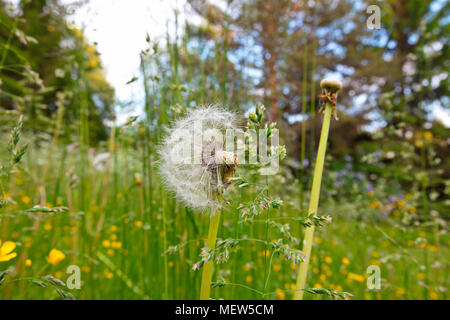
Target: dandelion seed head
<point x="193" y="161"/>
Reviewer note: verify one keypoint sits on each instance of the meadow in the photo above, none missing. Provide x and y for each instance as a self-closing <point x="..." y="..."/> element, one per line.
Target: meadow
<point x="70" y="199"/>
<point x="114" y="219"/>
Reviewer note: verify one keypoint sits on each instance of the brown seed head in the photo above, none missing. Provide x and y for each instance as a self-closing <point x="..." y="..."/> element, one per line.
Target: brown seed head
<point x="333" y="85"/>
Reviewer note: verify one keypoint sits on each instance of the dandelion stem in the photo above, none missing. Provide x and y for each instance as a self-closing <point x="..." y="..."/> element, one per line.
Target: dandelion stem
<point x="205" y="289"/>
<point x="314" y="202"/>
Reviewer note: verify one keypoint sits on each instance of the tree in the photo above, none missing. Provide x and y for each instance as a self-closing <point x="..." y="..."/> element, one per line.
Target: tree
<point x="46" y="64"/>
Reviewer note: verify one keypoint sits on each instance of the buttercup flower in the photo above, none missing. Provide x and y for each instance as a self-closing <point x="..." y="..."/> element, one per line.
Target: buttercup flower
<point x="193" y="161"/>
<point x="6" y="251"/>
<point x="55" y="256"/>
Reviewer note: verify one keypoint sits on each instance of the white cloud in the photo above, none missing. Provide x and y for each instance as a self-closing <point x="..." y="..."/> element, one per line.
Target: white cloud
<point x="120" y="27"/>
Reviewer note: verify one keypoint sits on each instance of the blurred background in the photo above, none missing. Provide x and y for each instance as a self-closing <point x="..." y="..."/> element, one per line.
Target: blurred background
<point x="96" y="83"/>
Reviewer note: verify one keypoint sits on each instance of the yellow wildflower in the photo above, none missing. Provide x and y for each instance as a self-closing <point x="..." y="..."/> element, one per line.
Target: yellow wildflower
<point x="375" y="262"/>
<point x="138" y="224"/>
<point x="280" y="294"/>
<point x="6" y="251"/>
<point x="277" y="267"/>
<point x="106" y="243"/>
<point x="400" y="292"/>
<point x="428" y="135"/>
<point x="328" y="260"/>
<point x="374" y="204"/>
<point x="355" y="277"/>
<point x="28" y="263"/>
<point x="113" y="229"/>
<point x="420" y="276"/>
<point x="85" y="269"/>
<point x="248" y="279"/>
<point x="116" y="244"/>
<point x="26" y="199"/>
<point x="108" y="274"/>
<point x="317" y="286"/>
<point x="55" y="256"/>
<point x="419" y="143"/>
<point x="434" y="295"/>
<point x="345" y="261"/>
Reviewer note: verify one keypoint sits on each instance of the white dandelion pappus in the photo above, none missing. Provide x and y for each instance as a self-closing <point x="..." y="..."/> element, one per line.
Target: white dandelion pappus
<point x="193" y="162"/>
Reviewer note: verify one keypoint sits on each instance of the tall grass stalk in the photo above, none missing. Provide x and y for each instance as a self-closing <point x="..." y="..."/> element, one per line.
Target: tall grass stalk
<point x="313" y="87"/>
<point x="315" y="191"/>
<point x="303" y="138"/>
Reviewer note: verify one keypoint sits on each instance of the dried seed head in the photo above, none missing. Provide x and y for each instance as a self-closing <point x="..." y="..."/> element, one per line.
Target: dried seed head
<point x="193" y="162"/>
<point x="330" y="88"/>
<point x="333" y="85"/>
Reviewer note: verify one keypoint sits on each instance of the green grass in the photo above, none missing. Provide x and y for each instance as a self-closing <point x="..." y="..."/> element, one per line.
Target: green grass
<point x="115" y="211"/>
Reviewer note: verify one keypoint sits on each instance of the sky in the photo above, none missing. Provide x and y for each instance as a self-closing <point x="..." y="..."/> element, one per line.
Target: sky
<point x="119" y="27"/>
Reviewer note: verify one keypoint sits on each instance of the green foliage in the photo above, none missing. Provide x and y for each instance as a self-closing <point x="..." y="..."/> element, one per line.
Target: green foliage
<point x="43" y="58"/>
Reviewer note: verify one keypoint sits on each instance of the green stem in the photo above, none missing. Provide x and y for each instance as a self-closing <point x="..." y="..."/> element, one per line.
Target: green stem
<point x="166" y="271"/>
<point x="205" y="289"/>
<point x="314" y="202"/>
<point x="8" y="44"/>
